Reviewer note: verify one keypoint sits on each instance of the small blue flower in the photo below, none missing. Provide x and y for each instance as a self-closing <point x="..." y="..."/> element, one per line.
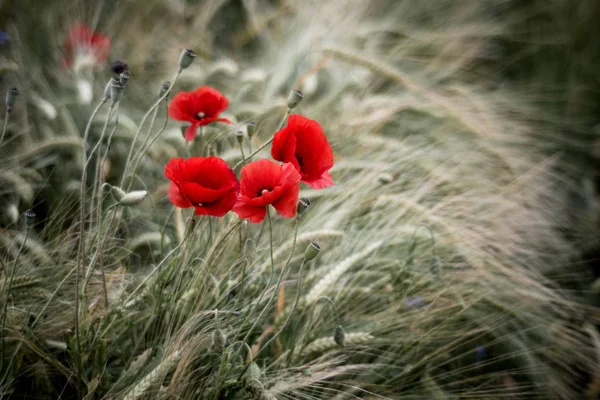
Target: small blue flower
<point x="480" y="353"/>
<point x="4" y="38"/>
<point x="414" y="302"/>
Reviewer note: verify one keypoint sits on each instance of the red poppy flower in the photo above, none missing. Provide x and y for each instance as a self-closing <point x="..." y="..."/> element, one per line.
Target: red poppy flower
<point x="303" y="143"/>
<point x="200" y="107"/>
<point x="265" y="182"/>
<point x="84" y="46"/>
<point x="205" y="183"/>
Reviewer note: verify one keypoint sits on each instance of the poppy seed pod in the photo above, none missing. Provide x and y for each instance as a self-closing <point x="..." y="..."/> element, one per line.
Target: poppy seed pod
<point x="163" y="88"/>
<point x="303" y="205"/>
<point x="186" y="59"/>
<point x="339" y="336"/>
<point x="312" y="250"/>
<point x="124" y="78"/>
<point x="11" y="98"/>
<point x="29" y="217"/>
<point x="294" y="99"/>
<point x="133" y="198"/>
<point x="251" y="129"/>
<point x="118" y="67"/>
<point x="115" y="91"/>
<point x="239" y="136"/>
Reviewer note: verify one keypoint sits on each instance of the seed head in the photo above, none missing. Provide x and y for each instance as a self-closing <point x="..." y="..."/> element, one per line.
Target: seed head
<point x="239" y="136"/>
<point x="115" y="91"/>
<point x="118" y="67"/>
<point x="124" y="78"/>
<point x="251" y="129"/>
<point x="163" y="88"/>
<point x="303" y="205"/>
<point x="218" y="339"/>
<point x="133" y="198"/>
<point x="294" y="99"/>
<point x="11" y="98"/>
<point x="312" y="250"/>
<point x="186" y="59"/>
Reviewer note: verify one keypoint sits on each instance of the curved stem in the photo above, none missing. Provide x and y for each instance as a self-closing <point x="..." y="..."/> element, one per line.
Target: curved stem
<point x="262" y="146"/>
<point x="156" y="104"/>
<point x="289" y="314"/>
<point x="333" y="306"/>
<point x="5" y="126"/>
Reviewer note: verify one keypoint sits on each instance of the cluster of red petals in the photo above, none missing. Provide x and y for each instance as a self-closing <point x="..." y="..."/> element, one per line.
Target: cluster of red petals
<point x="82" y="39"/>
<point x="200" y="107"/>
<point x="205" y="183"/>
<point x="303" y="144"/>
<point x="267" y="183"/>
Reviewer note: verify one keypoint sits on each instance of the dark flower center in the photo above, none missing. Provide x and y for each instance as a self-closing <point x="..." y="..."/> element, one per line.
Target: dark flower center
<point x="260" y="192"/>
<point x="200" y="115"/>
<point x="299" y="158"/>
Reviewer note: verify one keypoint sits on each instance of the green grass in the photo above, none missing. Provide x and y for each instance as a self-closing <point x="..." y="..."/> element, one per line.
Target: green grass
<point x="452" y="226"/>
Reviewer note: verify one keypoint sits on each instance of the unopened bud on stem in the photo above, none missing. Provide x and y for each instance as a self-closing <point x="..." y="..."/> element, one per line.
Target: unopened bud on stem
<point x="294" y="99"/>
<point x="11" y="98"/>
<point x="303" y="205"/>
<point x="251" y="129"/>
<point x="312" y="250"/>
<point x="186" y="59"/>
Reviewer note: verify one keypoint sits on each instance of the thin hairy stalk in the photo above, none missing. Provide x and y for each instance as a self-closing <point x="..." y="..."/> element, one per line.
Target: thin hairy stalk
<point x="242" y="152"/>
<point x="289" y="317"/>
<point x="262" y="146"/>
<point x="5" y="126"/>
<point x="12" y="274"/>
<point x="81" y="247"/>
<point x="147" y="145"/>
<point x="164" y="230"/>
<point x="137" y="133"/>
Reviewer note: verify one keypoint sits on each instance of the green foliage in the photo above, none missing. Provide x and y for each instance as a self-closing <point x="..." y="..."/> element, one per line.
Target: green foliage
<point x="446" y="233"/>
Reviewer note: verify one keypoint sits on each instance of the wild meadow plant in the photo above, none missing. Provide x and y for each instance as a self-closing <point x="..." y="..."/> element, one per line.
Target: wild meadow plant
<point x="226" y="256"/>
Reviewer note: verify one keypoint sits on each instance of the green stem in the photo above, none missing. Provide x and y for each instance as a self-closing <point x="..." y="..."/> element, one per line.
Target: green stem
<point x="268" y="142"/>
<point x="5" y="126"/>
<point x="156" y="104"/>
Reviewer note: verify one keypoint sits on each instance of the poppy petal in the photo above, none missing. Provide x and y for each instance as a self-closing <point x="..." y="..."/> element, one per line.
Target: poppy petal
<point x="320" y="183"/>
<point x="254" y="214"/>
<point x="284" y="147"/>
<point x="177" y="198"/>
<point x="286" y="205"/>
<point x="190" y="132"/>
<point x="218" y="208"/>
<point x="206" y="121"/>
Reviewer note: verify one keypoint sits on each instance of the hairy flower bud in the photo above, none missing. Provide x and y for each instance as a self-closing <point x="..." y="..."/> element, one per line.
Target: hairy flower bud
<point x="294" y="99"/>
<point x="303" y="205"/>
<point x="186" y="59"/>
<point x="218" y="339"/>
<point x="312" y="250"/>
<point x="133" y="198"/>
<point x="11" y="98"/>
<point x="117" y="193"/>
<point x="339" y="336"/>
<point x="251" y="129"/>
<point x="239" y="136"/>
<point x="163" y="88"/>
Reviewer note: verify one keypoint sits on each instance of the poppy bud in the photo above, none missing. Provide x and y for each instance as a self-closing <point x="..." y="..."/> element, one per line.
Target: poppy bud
<point x="294" y="99"/>
<point x="251" y="128"/>
<point x="186" y="59"/>
<point x="108" y="88"/>
<point x="303" y="205"/>
<point x="117" y="193"/>
<point x="163" y="88"/>
<point x="11" y="98"/>
<point x="239" y="136"/>
<point x="312" y="250"/>
<point x="115" y="91"/>
<point x="218" y="339"/>
<point x="253" y="372"/>
<point x="339" y="336"/>
<point x="124" y="78"/>
<point x="133" y="198"/>
<point x="29" y="217"/>
<point x="118" y="67"/>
